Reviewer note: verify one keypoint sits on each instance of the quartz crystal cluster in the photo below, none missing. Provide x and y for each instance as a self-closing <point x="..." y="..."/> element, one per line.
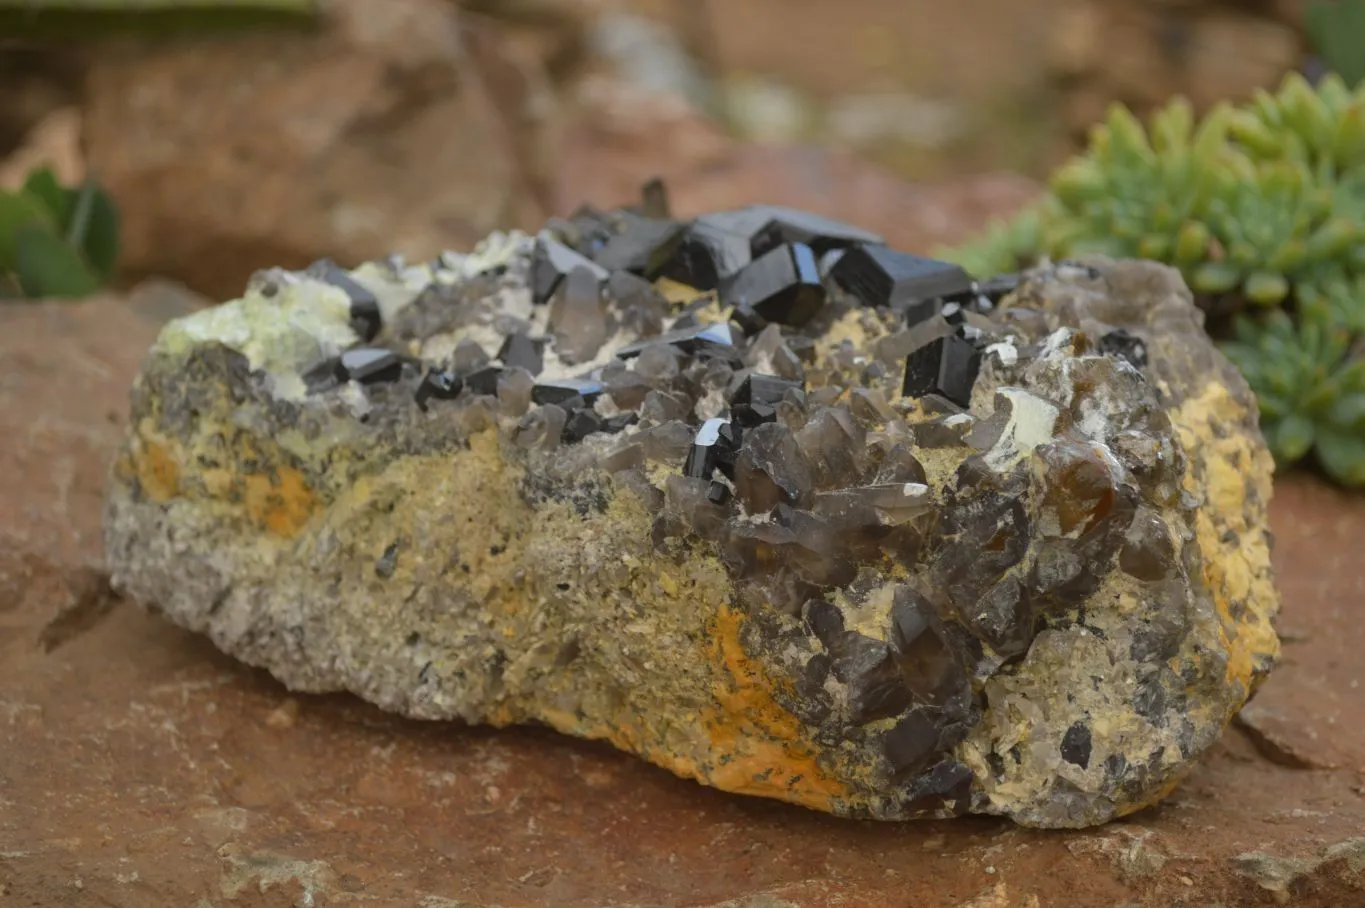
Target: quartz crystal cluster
<point x="752" y="495"/>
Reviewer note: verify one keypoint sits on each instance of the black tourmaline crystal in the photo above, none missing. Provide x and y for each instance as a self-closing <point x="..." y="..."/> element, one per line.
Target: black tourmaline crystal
<point x="881" y="277"/>
<point x="644" y="246"/>
<point x="581" y="423"/>
<point x="780" y="225"/>
<point x="945" y="366"/>
<point x="1126" y="346"/>
<point x="369" y="366"/>
<point x="782" y="285"/>
<point x="366" y="319"/>
<point x="763" y="390"/>
<point x="441" y="384"/>
<point x="557" y="391"/>
<point x="715" y="445"/>
<point x="707" y="254"/>
<point x="553" y="261"/>
<point x="483" y="380"/>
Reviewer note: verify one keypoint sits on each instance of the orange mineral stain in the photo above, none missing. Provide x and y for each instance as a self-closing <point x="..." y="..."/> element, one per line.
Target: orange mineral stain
<point x="279" y="501"/>
<point x="758" y="748"/>
<point x="157" y="470"/>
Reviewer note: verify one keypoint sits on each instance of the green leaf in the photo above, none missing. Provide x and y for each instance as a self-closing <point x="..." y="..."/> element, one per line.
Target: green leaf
<point x="1292" y="438"/>
<point x="1342" y="455"/>
<point x="1216" y="277"/>
<point x="48" y="267"/>
<point x="17" y="210"/>
<point x="101" y="246"/>
<point x="42" y="184"/>
<point x="1191" y="243"/>
<point x="1348" y="413"/>
<point x="1266" y="289"/>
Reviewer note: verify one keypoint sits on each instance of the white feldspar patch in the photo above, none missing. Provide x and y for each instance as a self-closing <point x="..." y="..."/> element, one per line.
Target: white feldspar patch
<point x="555" y="368"/>
<point x="1032" y="422"/>
<point x="394" y="288"/>
<point x="497" y="250"/>
<point x="1007" y="353"/>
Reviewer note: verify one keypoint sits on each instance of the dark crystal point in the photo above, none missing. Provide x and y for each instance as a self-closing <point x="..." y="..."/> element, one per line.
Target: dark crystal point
<point x="788" y="225"/>
<point x="644" y="247"/>
<point x="366" y="320"/>
<point x="771" y="469"/>
<point x="922" y="311"/>
<point x="757" y="388"/>
<point x="747" y="320"/>
<point x="880" y="276"/>
<point x="467" y="357"/>
<point x="550" y="263"/>
<point x="997" y="288"/>
<point x="1126" y="346"/>
<point x="620" y="422"/>
<point x="707" y="254"/>
<point x="581" y="423"/>
<point x="576" y="317"/>
<point x="727" y="450"/>
<point x="654" y="199"/>
<point x="747" y="416"/>
<point x="928" y="665"/>
<point x="588" y="230"/>
<point x="560" y="390"/>
<point x="781" y="286"/>
<point x="868" y="667"/>
<point x="483" y="380"/>
<point x="523" y="351"/>
<point x="640" y="306"/>
<point x="715" y="339"/>
<point x="719" y="494"/>
<point x="369" y="366"/>
<point x="716" y="441"/>
<point x="441" y="384"/>
<point x="946" y="366"/>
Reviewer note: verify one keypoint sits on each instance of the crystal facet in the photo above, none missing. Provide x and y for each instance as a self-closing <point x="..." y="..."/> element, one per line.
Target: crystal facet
<point x="782" y="285"/>
<point x="440" y="384"/>
<point x="550" y="264"/>
<point x="370" y="366"/>
<point x="880" y="276"/>
<point x="946" y="366"/>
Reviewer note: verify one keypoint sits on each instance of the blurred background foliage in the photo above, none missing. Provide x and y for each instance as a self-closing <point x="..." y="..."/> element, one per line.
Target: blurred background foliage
<point x="202" y="139"/>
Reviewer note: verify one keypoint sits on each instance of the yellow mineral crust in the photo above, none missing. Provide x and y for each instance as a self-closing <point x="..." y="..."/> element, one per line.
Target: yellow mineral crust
<point x="1236" y="560"/>
<point x="709" y="715"/>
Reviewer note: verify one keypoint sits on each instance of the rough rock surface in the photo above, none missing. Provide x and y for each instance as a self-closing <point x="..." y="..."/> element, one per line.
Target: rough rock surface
<point x="748" y="559"/>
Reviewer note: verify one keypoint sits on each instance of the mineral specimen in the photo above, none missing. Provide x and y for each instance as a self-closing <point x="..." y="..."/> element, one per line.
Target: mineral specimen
<point x="876" y="543"/>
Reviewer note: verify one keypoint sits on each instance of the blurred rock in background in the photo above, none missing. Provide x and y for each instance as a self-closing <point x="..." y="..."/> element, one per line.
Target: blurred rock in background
<point x="1143" y="52"/>
<point x="417" y="125"/>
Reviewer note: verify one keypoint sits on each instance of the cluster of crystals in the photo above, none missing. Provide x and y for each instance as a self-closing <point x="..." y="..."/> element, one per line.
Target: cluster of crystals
<point x="694" y="362"/>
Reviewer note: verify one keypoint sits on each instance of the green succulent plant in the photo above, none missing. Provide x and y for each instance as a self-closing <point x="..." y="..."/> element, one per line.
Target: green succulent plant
<point x="1262" y="208"/>
<point x="56" y="241"/>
